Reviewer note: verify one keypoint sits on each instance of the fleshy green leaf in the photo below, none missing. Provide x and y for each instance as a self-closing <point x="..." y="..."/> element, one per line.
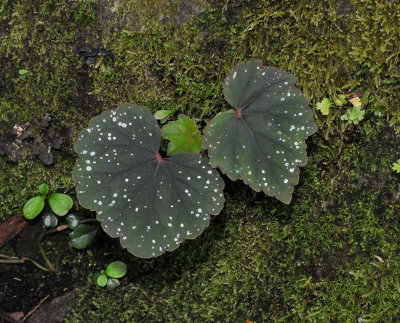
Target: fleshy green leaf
<point x="183" y="135"/>
<point x="72" y="221"/>
<point x="60" y="203"/>
<point x="262" y="141"/>
<point x="151" y="203"/>
<point x="43" y="189"/>
<point x="33" y="207"/>
<point x="100" y="279"/>
<point x="83" y="235"/>
<point x="324" y="106"/>
<point x="112" y="283"/>
<point x="116" y="269"/>
<point x="162" y="114"/>
<point x="50" y="220"/>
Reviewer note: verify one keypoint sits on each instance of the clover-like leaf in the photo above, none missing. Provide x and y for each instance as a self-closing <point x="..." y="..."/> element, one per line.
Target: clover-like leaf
<point x="262" y="140"/>
<point x="396" y="166"/>
<point x="324" y="106"/>
<point x="183" y="135"/>
<point x="60" y="203"/>
<point x="151" y="203"/>
<point x="353" y="115"/>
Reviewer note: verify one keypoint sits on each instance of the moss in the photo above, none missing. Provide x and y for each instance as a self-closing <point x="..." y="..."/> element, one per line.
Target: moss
<point x="332" y="255"/>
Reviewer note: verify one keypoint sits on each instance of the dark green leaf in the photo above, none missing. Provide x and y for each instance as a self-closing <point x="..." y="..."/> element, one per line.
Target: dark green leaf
<point x="116" y="269"/>
<point x="43" y="189"/>
<point x="183" y="135"/>
<point x="72" y="221"/>
<point x="83" y="235"/>
<point x="50" y="220"/>
<point x="152" y="204"/>
<point x="33" y="207"/>
<point x="112" y="283"/>
<point x="262" y="141"/>
<point x="60" y="203"/>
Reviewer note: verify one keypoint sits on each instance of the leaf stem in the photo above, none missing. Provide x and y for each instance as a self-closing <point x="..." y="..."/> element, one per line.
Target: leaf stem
<point x="19" y="260"/>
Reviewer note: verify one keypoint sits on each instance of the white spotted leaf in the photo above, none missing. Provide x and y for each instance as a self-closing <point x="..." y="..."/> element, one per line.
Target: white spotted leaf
<point x="261" y="141"/>
<point x="151" y="203"/>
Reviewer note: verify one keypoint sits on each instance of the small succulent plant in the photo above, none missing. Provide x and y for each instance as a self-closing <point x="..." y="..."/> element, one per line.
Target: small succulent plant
<point x="110" y="277"/>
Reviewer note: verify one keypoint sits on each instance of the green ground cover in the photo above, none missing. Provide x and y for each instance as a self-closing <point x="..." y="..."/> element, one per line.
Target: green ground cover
<point x="333" y="253"/>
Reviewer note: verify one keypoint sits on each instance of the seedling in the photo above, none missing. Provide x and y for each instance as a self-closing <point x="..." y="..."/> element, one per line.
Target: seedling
<point x="81" y="236"/>
<point x="110" y="277"/>
<point x="60" y="203"/>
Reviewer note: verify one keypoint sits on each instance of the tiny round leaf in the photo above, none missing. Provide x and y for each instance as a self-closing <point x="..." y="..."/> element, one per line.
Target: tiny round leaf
<point x="83" y="235"/>
<point x="50" y="220"/>
<point x="100" y="279"/>
<point x="60" y="203"/>
<point x="43" y="189"/>
<point x="112" y="283"/>
<point x="73" y="221"/>
<point x="116" y="269"/>
<point x="33" y="207"/>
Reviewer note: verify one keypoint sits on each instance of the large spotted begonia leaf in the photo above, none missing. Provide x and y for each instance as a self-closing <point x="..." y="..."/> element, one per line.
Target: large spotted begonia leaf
<point x="151" y="203"/>
<point x="262" y="141"/>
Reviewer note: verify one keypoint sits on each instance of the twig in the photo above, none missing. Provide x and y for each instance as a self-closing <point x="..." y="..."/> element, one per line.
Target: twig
<point x="33" y="310"/>
<point x="19" y="260"/>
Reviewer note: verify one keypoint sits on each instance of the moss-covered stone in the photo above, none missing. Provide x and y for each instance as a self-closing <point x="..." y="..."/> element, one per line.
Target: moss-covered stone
<point x="333" y="254"/>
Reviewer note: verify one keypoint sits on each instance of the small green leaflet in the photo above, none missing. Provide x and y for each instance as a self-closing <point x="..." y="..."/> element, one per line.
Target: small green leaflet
<point x="183" y="135"/>
<point x="396" y="166"/>
<point x="162" y="114"/>
<point x="340" y="100"/>
<point x="353" y="115"/>
<point x="324" y="106"/>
